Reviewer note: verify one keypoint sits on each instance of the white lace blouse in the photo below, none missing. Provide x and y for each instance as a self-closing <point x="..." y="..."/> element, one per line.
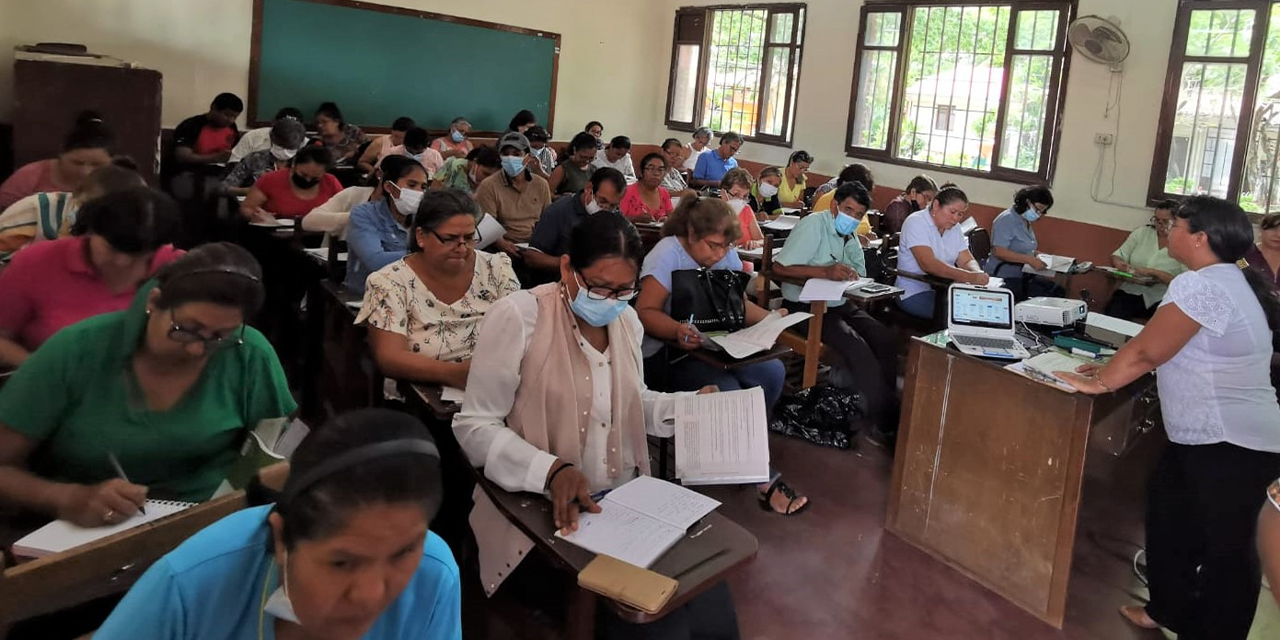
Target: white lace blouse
<point x="1218" y="387"/>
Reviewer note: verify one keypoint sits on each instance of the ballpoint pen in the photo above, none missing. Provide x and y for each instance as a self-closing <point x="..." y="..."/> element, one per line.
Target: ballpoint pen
<point x="690" y="323"/>
<point x="120" y="472"/>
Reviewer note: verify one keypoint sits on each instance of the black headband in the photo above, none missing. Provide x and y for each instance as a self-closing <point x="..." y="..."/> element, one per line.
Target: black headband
<point x="354" y="457"/>
<point x="231" y="271"/>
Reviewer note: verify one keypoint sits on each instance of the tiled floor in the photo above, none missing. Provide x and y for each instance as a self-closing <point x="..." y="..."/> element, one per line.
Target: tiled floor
<point x="834" y="572"/>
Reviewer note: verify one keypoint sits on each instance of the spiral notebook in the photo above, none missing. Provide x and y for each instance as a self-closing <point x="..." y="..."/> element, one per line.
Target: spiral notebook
<point x="59" y="535"/>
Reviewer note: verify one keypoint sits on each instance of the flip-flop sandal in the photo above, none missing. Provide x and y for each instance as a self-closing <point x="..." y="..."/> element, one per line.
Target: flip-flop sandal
<point x="766" y="502"/>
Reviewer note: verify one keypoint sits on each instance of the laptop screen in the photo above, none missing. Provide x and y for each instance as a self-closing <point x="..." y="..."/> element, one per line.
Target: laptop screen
<point x="981" y="308"/>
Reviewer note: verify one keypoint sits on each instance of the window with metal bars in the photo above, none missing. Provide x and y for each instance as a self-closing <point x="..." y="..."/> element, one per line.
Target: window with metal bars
<point x="1219" y="131"/>
<point x="735" y="68"/>
<point x="974" y="87"/>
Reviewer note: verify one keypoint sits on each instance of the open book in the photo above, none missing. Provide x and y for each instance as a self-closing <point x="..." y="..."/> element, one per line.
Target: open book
<point x="271" y="441"/>
<point x="722" y="438"/>
<point x="829" y="290"/>
<point x="760" y="336"/>
<point x="1053" y="265"/>
<point x="59" y="535"/>
<point x="640" y="521"/>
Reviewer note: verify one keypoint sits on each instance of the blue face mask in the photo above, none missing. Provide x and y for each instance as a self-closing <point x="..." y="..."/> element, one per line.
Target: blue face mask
<point x="845" y="223"/>
<point x="457" y="136"/>
<point x="597" y="313"/>
<point x="513" y="165"/>
<point x="1031" y="215"/>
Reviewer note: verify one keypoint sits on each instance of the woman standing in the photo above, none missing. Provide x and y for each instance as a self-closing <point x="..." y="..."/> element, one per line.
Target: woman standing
<point x="423" y="310"/>
<point x="343" y="554"/>
<point x="794" y="177"/>
<point x="646" y="200"/>
<point x="1014" y="244"/>
<point x="1209" y="343"/>
<point x="1145" y="253"/>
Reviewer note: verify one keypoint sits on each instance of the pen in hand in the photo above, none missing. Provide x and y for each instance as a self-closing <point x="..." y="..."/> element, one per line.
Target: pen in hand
<point x="690" y="323"/>
<point x="120" y="472"/>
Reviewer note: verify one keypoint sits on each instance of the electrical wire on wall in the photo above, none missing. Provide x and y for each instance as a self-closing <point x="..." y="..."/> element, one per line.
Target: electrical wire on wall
<point x="1114" y="104"/>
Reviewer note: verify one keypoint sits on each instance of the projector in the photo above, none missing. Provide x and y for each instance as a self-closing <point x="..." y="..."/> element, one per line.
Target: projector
<point x="1059" y="312"/>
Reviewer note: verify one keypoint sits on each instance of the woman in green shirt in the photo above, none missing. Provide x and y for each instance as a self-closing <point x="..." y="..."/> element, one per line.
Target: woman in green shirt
<point x="169" y="387"/>
<point x="1145" y="253"/>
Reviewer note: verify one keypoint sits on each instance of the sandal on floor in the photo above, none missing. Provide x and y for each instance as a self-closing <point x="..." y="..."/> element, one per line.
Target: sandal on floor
<point x="1138" y="617"/>
<point x="766" y="502"/>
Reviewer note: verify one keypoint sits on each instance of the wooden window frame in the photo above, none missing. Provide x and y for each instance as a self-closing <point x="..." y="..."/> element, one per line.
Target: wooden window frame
<point x="1054" y="102"/>
<point x="796" y="48"/>
<point x="1173" y="82"/>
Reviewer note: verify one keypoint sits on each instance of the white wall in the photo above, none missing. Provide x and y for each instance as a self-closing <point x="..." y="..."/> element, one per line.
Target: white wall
<point x="202" y="48"/>
<point x="826" y="81"/>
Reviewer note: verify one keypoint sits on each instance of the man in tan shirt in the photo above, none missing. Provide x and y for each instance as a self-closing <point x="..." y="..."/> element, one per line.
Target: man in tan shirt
<point x="514" y="196"/>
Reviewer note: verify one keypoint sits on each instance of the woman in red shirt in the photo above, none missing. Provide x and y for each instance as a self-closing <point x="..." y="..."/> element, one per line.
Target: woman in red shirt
<point x="646" y="200"/>
<point x="83" y="150"/>
<point x="295" y="191"/>
<point x="119" y="241"/>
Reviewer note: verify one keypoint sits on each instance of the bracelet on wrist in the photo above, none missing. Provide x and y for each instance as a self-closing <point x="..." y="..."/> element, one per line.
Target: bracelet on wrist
<point x="557" y="472"/>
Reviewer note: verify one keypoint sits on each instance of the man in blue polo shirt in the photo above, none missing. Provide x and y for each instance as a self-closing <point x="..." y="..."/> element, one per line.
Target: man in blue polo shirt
<point x="712" y="166"/>
<point x="550" y="238"/>
<point x="823" y="245"/>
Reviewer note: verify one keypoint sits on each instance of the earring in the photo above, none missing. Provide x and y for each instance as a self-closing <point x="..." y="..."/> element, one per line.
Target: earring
<point x="148" y="312"/>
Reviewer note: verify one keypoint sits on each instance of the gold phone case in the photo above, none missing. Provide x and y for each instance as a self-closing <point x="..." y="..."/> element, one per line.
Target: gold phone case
<point x="631" y="585"/>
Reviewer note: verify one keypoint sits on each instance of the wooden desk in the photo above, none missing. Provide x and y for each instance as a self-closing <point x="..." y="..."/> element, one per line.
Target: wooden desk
<point x="456" y="471"/>
<point x="988" y="470"/>
<point x="715" y="547"/>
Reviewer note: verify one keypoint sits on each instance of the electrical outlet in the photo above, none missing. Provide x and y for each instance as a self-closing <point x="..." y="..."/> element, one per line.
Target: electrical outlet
<point x="1104" y="139"/>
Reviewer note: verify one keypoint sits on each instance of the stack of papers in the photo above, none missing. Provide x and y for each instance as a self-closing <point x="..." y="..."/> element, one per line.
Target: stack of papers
<point x="640" y="521"/>
<point x="821" y="289"/>
<point x="722" y="438"/>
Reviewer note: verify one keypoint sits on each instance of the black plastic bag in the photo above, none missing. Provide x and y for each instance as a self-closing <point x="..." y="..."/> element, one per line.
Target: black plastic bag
<point x="821" y="415"/>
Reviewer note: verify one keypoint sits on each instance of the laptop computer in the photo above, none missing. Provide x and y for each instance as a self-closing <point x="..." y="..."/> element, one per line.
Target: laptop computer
<point x="980" y="322"/>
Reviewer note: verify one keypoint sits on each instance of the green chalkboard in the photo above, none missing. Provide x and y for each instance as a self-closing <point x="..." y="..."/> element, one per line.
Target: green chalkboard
<point x="378" y="63"/>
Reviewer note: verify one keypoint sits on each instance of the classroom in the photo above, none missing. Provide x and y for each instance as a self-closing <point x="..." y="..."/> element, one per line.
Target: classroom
<point x="673" y="319"/>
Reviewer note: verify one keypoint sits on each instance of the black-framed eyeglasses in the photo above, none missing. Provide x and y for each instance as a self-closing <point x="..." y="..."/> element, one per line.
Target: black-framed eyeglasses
<point x="469" y="240"/>
<point x="183" y="335"/>
<point x="625" y="294"/>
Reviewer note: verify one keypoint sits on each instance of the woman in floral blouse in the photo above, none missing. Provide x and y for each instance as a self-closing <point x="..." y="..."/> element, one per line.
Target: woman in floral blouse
<point x="423" y="311"/>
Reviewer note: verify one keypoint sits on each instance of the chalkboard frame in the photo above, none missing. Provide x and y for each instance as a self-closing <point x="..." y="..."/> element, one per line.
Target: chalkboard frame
<point x="255" y="56"/>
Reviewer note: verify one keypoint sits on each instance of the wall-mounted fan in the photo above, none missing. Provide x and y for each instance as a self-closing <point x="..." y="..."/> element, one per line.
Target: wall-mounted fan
<point x="1099" y="39"/>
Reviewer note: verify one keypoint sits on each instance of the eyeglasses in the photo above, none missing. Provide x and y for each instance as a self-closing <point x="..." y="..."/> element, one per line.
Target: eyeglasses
<point x="718" y="247"/>
<point x="469" y="240"/>
<point x="595" y="292"/>
<point x="184" y="335"/>
<point x="1162" y="224"/>
<point x="655" y="168"/>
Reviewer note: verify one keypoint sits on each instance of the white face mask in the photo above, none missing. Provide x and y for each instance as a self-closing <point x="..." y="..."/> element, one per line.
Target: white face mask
<point x="408" y="200"/>
<point x="767" y="190"/>
<point x="737" y="204"/>
<point x="281" y="153"/>
<point x="594" y="207"/>
<point x="279" y="604"/>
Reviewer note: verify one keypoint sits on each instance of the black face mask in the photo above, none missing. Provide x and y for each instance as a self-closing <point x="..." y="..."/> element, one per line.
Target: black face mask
<point x="304" y="183"/>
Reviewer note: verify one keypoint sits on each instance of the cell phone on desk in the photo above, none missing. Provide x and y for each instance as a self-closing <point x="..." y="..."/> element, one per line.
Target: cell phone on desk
<point x="874" y="288"/>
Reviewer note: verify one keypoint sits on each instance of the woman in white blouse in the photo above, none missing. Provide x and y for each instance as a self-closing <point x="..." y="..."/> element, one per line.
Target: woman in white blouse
<point x="556" y="401"/>
<point x="423" y="311"/>
<point x="1210" y="344"/>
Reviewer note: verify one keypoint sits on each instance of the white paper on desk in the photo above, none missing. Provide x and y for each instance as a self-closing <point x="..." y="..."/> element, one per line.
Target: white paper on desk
<point x="782" y="223"/>
<point x="666" y="501"/>
<point x="625" y="534"/>
<point x="1020" y="368"/>
<point x="269" y="221"/>
<point x="824" y="290"/>
<point x="790" y="211"/>
<point x="721" y="438"/>
<point x="1115" y="325"/>
<point x="994" y="282"/>
<point x="1053" y="265"/>
<point x="757" y="252"/>
<point x="760" y="336"/>
<point x="490" y="231"/>
<point x="452" y="394"/>
<point x="968" y="224"/>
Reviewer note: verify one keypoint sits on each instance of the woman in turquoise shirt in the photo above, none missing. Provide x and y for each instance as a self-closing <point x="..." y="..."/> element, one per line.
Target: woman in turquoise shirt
<point x="169" y="387"/>
<point x="343" y="554"/>
<point x="1145" y="253"/>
